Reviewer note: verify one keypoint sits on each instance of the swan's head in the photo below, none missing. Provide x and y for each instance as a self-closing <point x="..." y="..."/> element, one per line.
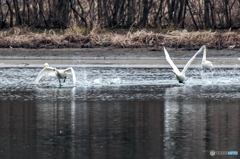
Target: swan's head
<point x="46" y="65"/>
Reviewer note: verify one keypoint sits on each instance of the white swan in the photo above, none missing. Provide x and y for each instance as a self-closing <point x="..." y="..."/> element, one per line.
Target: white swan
<point x="59" y="73"/>
<point x="180" y="75"/>
<point x="205" y="63"/>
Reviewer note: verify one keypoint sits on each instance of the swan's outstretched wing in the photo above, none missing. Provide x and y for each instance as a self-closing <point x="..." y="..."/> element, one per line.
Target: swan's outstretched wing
<point x="169" y="60"/>
<point x="191" y="60"/>
<point x="50" y="71"/>
<point x="72" y="72"/>
<point x="204" y="53"/>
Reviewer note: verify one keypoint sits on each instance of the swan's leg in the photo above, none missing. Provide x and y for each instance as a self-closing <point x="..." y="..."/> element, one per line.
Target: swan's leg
<point x="64" y="79"/>
<point x="59" y="80"/>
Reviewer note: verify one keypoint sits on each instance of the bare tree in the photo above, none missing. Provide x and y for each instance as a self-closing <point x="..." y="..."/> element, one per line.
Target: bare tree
<point x="194" y="14"/>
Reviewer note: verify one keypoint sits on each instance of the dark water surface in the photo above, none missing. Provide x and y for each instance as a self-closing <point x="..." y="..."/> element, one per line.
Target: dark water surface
<point x="119" y="113"/>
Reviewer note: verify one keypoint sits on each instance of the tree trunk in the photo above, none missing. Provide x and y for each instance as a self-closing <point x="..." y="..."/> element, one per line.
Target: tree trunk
<point x="226" y="13"/>
<point x="131" y="12"/>
<point x="17" y="13"/>
<point x="99" y="8"/>
<point x="206" y="13"/>
<point x="146" y="7"/>
<point x="158" y="16"/>
<point x="116" y="8"/>
<point x="61" y="13"/>
<point x="11" y="12"/>
<point x="193" y="19"/>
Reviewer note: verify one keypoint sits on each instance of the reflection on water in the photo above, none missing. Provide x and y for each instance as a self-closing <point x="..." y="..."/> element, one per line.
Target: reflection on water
<point x="194" y="124"/>
<point x="185" y="126"/>
<point x="119" y="121"/>
<point x="65" y="128"/>
<point x="61" y="125"/>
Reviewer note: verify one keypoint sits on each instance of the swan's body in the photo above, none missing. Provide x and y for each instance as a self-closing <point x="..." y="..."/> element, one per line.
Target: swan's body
<point x="205" y="63"/>
<point x="61" y="74"/>
<point x="180" y="76"/>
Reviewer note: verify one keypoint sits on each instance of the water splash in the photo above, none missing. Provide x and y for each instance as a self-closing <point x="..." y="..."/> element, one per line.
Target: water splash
<point x="110" y="76"/>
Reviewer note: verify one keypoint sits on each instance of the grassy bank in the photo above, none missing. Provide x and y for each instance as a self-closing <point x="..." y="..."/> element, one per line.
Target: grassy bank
<point x="25" y="38"/>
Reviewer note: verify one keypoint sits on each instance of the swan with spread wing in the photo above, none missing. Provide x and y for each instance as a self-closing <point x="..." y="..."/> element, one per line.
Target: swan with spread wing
<point x="206" y="64"/>
<point x="180" y="76"/>
<point x="61" y="74"/>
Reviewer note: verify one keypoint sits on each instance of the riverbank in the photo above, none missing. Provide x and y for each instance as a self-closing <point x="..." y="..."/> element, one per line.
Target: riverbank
<point x="23" y="38"/>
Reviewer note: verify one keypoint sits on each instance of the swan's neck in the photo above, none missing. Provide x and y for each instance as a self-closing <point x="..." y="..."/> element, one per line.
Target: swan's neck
<point x="204" y="55"/>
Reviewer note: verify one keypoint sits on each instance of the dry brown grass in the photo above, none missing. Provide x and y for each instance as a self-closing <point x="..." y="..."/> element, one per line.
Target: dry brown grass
<point x="26" y="38"/>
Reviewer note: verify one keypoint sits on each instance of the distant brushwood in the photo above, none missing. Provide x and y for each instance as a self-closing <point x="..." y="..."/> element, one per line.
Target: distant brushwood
<point x="20" y="38"/>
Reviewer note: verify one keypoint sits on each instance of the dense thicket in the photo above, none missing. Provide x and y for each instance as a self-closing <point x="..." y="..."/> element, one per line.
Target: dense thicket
<point x="196" y="14"/>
